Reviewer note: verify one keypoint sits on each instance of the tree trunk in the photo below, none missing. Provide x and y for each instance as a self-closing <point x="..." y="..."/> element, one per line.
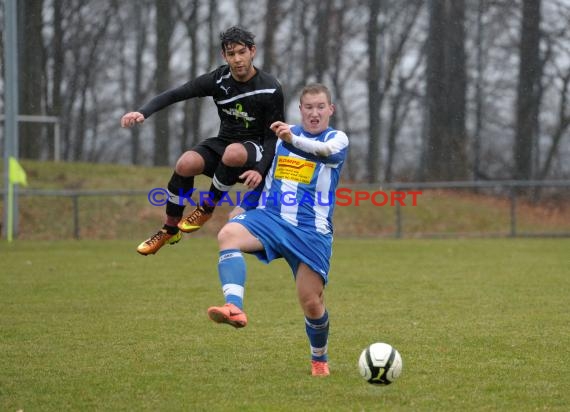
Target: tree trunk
<point x="435" y="91"/>
<point x="31" y="75"/>
<point x="191" y="123"/>
<point x="57" y="75"/>
<point x="374" y="93"/>
<point x="321" y="59"/>
<point x="140" y="44"/>
<point x="446" y="88"/>
<point x="528" y="101"/>
<point x="164" y="26"/>
<point x="273" y="17"/>
<point x="456" y="85"/>
<point x="479" y="104"/>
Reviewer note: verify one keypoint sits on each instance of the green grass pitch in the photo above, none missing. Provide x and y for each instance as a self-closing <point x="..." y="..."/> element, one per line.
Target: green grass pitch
<point x="482" y="325"/>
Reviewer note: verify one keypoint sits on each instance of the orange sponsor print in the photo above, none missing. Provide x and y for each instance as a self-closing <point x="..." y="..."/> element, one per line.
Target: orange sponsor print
<point x="297" y="170"/>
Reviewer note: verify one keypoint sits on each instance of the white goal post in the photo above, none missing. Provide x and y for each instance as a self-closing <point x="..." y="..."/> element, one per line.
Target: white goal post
<point x="44" y="119"/>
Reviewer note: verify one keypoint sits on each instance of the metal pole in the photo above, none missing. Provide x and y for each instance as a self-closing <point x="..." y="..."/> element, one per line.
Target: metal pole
<point x="56" y="142"/>
<point x="75" y="201"/>
<point x="398" y="221"/>
<point x="513" y="211"/>
<point x="11" y="105"/>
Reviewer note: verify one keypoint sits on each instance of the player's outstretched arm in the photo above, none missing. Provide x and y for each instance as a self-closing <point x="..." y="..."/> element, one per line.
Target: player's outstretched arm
<point x="131" y="118"/>
<point x="324" y="149"/>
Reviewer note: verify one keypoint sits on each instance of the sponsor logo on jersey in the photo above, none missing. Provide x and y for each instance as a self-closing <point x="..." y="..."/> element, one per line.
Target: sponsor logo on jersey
<point x="297" y="170"/>
<point x="239" y="113"/>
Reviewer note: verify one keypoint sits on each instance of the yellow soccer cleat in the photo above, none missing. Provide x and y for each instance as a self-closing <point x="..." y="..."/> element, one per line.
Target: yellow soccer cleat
<point x="194" y="220"/>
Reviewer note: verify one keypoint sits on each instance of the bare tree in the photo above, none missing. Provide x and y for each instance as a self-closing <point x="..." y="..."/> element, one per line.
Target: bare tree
<point x="303" y="40"/>
<point x="385" y="47"/>
<point x="406" y="80"/>
<point x="400" y="106"/>
<point x="562" y="123"/>
<point x="371" y="53"/>
<point x="88" y="60"/>
<point x="131" y="41"/>
<point x="341" y="70"/>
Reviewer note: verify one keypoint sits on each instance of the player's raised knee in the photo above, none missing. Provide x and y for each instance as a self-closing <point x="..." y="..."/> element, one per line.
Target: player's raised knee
<point x="235" y="155"/>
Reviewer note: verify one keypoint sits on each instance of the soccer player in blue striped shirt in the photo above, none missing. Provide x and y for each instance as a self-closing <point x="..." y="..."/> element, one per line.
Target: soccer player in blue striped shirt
<point x="291" y="219"/>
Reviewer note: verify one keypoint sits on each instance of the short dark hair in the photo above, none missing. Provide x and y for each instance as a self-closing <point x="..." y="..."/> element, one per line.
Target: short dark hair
<point x="316" y="88"/>
<point x="236" y="34"/>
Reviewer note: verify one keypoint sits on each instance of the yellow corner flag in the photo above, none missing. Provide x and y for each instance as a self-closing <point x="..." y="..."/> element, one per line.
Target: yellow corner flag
<point x="17" y="173"/>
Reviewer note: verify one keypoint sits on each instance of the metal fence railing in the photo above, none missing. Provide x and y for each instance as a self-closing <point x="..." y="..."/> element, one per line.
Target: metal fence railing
<point x="512" y="188"/>
<point x="509" y="190"/>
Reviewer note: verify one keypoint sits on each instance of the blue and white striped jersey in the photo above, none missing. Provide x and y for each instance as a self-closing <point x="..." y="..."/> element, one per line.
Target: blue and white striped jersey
<point x="301" y="183"/>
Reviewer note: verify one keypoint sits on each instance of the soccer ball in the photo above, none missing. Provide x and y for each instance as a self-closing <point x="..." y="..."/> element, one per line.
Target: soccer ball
<point x="380" y="364"/>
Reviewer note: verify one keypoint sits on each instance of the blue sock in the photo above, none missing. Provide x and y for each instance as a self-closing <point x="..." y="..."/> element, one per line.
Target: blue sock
<point x="231" y="269"/>
<point x="318" y="333"/>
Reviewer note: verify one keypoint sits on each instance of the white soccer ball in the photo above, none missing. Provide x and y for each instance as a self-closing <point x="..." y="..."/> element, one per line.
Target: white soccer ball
<point x="380" y="364"/>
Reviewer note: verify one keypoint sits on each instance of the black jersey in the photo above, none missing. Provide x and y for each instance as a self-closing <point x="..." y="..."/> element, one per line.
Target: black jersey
<point x="246" y="110"/>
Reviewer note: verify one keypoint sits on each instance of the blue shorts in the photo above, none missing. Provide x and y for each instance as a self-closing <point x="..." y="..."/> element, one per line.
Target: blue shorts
<point x="281" y="239"/>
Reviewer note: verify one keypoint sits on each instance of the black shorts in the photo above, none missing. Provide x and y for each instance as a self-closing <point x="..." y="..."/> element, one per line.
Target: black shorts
<point x="212" y="150"/>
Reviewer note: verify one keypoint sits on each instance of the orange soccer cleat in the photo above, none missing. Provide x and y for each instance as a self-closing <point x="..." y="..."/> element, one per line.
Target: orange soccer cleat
<point x="229" y="313"/>
<point x="319" y="368"/>
<point x="156" y="241"/>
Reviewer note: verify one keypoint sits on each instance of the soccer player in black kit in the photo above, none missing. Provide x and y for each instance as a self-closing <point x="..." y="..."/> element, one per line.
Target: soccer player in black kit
<point x="248" y="100"/>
